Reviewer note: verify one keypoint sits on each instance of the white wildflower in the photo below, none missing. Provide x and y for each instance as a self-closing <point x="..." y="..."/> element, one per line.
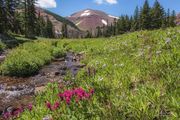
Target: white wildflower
<point x="48" y="117"/>
<point x="169" y="33"/>
<point x="121" y="65"/>
<point x="158" y="52"/>
<point x="100" y="78"/>
<point x="168" y="40"/>
<point x="104" y="66"/>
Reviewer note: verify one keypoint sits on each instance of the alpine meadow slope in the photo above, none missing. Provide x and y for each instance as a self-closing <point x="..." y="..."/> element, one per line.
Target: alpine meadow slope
<point x="132" y="76"/>
<point x="90" y="65"/>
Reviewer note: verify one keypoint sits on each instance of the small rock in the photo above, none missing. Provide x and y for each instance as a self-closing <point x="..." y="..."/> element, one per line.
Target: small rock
<point x="63" y="68"/>
<point x="9" y="109"/>
<point x="56" y="73"/>
<point x="63" y="72"/>
<point x="2" y="58"/>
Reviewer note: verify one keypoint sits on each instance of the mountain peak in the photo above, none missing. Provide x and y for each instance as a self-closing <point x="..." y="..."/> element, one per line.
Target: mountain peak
<point x="89" y="19"/>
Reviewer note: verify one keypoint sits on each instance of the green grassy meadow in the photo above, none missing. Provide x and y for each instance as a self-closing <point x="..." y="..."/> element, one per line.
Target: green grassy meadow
<point x="134" y="76"/>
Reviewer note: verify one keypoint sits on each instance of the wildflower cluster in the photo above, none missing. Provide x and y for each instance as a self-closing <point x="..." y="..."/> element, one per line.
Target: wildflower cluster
<point x="53" y="107"/>
<point x="78" y="94"/>
<point x="68" y="95"/>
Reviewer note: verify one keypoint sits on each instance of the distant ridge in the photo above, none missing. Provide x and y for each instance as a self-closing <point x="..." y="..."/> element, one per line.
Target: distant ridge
<point x="61" y="19"/>
<point x="58" y="21"/>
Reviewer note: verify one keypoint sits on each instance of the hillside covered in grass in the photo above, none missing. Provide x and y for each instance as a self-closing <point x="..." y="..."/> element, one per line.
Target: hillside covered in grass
<point x="132" y="76"/>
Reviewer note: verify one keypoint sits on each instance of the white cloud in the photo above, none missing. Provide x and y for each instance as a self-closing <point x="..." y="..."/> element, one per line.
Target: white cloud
<point x="99" y="2"/>
<point x="112" y="1"/>
<point x="47" y="3"/>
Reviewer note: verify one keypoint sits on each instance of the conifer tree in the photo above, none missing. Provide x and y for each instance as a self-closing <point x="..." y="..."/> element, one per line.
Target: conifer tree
<point x="135" y="22"/>
<point x="30" y="18"/>
<point x="172" y="19"/>
<point x="99" y="32"/>
<point x="127" y="23"/>
<point x="157" y="14"/>
<point x="64" y="30"/>
<point x="89" y="34"/>
<point x="18" y="25"/>
<point x="115" y="29"/>
<point x="168" y="18"/>
<point x="121" y="25"/>
<point x="43" y="25"/>
<point x="49" y="29"/>
<point x="145" y="17"/>
<point x="2" y="16"/>
<point x="10" y="14"/>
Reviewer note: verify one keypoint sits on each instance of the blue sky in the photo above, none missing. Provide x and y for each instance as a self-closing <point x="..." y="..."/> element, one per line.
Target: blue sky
<point x="113" y="7"/>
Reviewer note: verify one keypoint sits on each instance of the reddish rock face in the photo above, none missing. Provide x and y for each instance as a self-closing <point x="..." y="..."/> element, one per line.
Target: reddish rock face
<point x="90" y="19"/>
<point x="178" y="19"/>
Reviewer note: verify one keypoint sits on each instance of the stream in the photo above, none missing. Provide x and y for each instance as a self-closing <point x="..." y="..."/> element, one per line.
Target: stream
<point x="16" y="92"/>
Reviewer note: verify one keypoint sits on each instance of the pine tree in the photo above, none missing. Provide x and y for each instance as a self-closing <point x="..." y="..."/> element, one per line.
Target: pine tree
<point x="89" y="34"/>
<point x="18" y="18"/>
<point x="2" y="16"/>
<point x="157" y="14"/>
<point x="38" y="25"/>
<point x="99" y="32"/>
<point x="131" y="22"/>
<point x="115" y="27"/>
<point x="135" y="22"/>
<point x="64" y="30"/>
<point x="10" y="14"/>
<point x="172" y="19"/>
<point x="109" y="30"/>
<point x="127" y="23"/>
<point x="168" y="18"/>
<point x="30" y="18"/>
<point x="104" y="30"/>
<point x="145" y="17"/>
<point x="18" y="25"/>
<point x="43" y="25"/>
<point x="49" y="29"/>
<point x="121" y="25"/>
<point x="164" y="23"/>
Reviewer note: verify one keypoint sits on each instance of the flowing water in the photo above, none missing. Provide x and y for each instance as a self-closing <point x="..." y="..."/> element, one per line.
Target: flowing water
<point x="16" y="92"/>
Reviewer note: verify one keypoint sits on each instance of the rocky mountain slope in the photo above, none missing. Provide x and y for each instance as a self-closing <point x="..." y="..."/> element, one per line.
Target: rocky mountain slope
<point x="90" y="19"/>
<point x="58" y="21"/>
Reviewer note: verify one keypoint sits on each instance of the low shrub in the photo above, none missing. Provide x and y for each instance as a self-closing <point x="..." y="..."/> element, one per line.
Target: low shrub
<point x="28" y="58"/>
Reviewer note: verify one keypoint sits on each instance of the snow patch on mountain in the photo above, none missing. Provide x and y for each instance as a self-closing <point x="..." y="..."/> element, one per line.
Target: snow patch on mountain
<point x="113" y="16"/>
<point x="104" y="22"/>
<point x="86" y="13"/>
